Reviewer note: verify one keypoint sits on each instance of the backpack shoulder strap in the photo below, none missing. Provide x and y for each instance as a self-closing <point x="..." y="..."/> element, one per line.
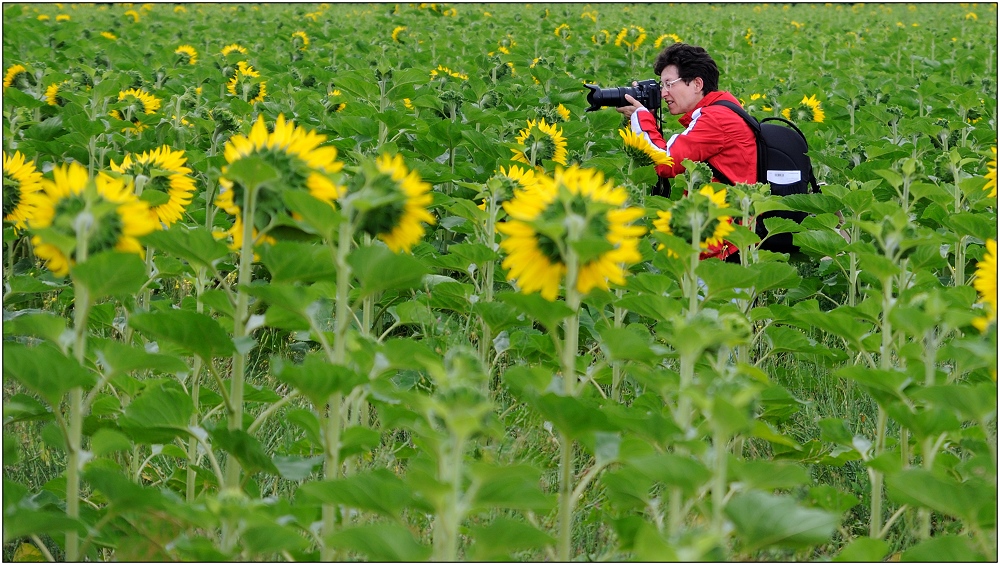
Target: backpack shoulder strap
<point x="758" y="135"/>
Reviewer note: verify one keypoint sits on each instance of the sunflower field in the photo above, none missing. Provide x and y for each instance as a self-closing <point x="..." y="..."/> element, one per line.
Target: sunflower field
<point x="365" y="282"/>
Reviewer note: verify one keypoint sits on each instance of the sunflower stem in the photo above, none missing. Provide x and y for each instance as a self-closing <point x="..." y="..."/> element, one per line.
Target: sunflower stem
<point x="333" y="418"/>
<point x="885" y="361"/>
<point x="239" y="329"/>
<point x="568" y="357"/>
<point x="74" y="439"/>
<point x="199" y="285"/>
<point x="488" y="269"/>
<point x="616" y="367"/>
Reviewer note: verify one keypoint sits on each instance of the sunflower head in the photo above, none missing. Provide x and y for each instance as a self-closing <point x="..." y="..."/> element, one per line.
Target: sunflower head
<point x="52" y="93"/>
<point x="247" y="84"/>
<point x="104" y="210"/>
<point x="539" y="142"/>
<point x="630" y="37"/>
<point x="991" y="175"/>
<point x="672" y="37"/>
<point x="233" y="48"/>
<point x="298" y="158"/>
<point x="161" y="179"/>
<point x="563" y="32"/>
<point x="505" y="183"/>
<point x="703" y="211"/>
<point x="136" y="101"/>
<point x="808" y="110"/>
<point x="986" y="284"/>
<point x="18" y="77"/>
<point x="300" y="41"/>
<point x="662" y="225"/>
<point x="397" y="34"/>
<point x="391" y="202"/>
<point x="186" y="55"/>
<point x="571" y="222"/>
<point x="22" y="189"/>
<point x="641" y="151"/>
<point x="602" y="37"/>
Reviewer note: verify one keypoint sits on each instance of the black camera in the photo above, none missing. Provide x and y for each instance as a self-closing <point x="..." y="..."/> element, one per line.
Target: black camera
<point x="647" y="92"/>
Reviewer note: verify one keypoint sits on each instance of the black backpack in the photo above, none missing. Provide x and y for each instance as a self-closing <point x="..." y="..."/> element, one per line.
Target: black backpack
<point x="783" y="162"/>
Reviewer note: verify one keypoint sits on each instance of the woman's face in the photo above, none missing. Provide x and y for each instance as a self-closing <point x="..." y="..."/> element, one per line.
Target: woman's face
<point x="680" y="97"/>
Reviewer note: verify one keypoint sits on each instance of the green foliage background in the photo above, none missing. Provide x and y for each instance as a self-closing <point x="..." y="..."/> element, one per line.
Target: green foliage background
<point x="839" y="404"/>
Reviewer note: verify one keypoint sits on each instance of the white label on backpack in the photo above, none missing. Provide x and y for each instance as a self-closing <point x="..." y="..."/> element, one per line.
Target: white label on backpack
<point x="783" y="177"/>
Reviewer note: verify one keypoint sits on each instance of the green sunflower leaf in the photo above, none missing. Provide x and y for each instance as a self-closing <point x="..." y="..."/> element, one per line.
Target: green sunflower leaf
<point x="764" y="520"/>
<point x="198" y="333"/>
<point x="549" y="314"/>
<point x="111" y="273"/>
<point x="378" y="269"/>
<point x="381" y="542"/>
<point x="195" y="245"/>
<point x="251" y="172"/>
<point x="45" y="370"/>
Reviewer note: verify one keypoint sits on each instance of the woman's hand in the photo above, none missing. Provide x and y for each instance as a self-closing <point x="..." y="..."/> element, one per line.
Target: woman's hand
<point x="627" y="111"/>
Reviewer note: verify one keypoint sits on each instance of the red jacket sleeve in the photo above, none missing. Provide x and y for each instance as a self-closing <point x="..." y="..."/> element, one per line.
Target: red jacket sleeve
<point x="718" y="134"/>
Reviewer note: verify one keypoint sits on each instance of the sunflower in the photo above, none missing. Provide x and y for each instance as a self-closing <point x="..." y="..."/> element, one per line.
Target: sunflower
<point x="62" y="17"/>
<point x="169" y="186"/>
<point x="723" y="224"/>
<point x="234" y="48"/>
<point x="986" y="284"/>
<point x="396" y="32"/>
<point x="109" y="35"/>
<point x="562" y="32"/>
<point x="662" y="225"/>
<point x="52" y="97"/>
<point x="118" y="217"/>
<point x="136" y="102"/>
<point x="21" y="189"/>
<point x="602" y="37"/>
<point x="631" y="37"/>
<point x="187" y="54"/>
<point x="563" y="112"/>
<point x="506" y="44"/>
<point x="756" y="98"/>
<point x="149" y="104"/>
<point x="133" y="14"/>
<point x="641" y="151"/>
<point x="441" y="69"/>
<point x="295" y="153"/>
<point x="402" y="199"/>
<point x="991" y="175"/>
<point x="808" y="110"/>
<point x="592" y="14"/>
<point x="333" y="102"/>
<point x="540" y="141"/>
<point x="512" y="181"/>
<point x="43" y="17"/>
<point x="701" y="208"/>
<point x="660" y="40"/>
<point x="253" y="90"/>
<point x="300" y="40"/>
<point x="14" y="72"/>
<point x="538" y="239"/>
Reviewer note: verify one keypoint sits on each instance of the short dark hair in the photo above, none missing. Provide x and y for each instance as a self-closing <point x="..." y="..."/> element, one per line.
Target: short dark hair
<point x="691" y="62"/>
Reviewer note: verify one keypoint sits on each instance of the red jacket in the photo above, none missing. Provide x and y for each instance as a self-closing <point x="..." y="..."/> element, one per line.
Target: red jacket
<point x="715" y="135"/>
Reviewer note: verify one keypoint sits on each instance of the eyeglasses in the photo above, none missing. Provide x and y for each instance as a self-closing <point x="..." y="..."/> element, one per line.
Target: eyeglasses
<point x="666" y="85"/>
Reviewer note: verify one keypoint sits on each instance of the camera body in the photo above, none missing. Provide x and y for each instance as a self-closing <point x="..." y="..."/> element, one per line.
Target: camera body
<point x="647" y="92"/>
